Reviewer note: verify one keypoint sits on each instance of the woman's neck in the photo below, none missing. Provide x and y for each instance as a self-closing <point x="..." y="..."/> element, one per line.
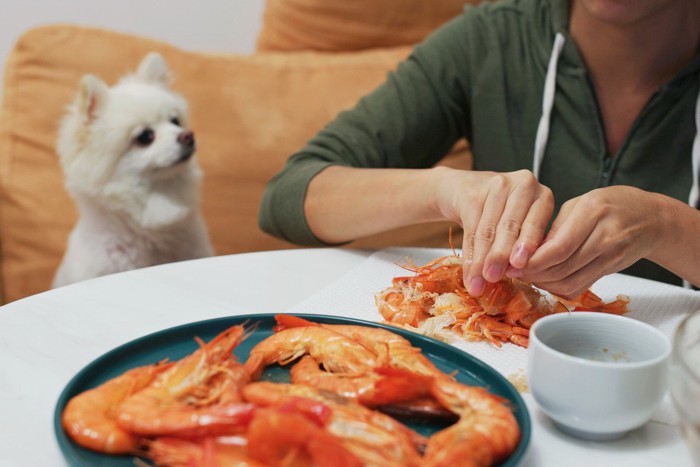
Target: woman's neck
<point x="641" y="43"/>
<point x="630" y="49"/>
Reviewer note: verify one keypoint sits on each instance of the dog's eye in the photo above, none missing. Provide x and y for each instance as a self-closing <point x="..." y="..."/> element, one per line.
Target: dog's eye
<point x="146" y="137"/>
<point x="175" y="121"/>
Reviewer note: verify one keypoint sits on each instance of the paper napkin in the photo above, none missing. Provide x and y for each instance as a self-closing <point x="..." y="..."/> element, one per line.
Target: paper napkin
<point x="659" y="304"/>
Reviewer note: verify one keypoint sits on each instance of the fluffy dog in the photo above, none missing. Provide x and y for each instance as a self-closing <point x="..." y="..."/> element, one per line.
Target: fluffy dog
<point x="127" y="157"/>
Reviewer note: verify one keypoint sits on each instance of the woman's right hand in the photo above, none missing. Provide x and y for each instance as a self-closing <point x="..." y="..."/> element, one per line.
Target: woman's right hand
<point x="504" y="217"/>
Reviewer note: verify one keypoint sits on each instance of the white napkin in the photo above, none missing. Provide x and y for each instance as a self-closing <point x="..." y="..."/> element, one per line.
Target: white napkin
<point x="659" y="304"/>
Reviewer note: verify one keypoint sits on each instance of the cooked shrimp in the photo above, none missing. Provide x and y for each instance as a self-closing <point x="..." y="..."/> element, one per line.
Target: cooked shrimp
<point x="89" y="418"/>
<point x="504" y="313"/>
<point x="394" y="391"/>
<point x="285" y="436"/>
<point x="199" y="395"/>
<point x="391" y="349"/>
<point x="374" y="438"/>
<point x="385" y="385"/>
<point x="289" y="435"/>
<point x="201" y="452"/>
<point x="401" y="305"/>
<point x="308" y="371"/>
<point x="588" y="301"/>
<point x="442" y="275"/>
<point x="379" y="386"/>
<point x="338" y="353"/>
<point x="486" y="432"/>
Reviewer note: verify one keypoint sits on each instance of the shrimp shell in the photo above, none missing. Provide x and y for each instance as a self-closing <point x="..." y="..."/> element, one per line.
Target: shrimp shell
<point x="89" y="418"/>
<point x="374" y="438"/>
<point x="199" y="395"/>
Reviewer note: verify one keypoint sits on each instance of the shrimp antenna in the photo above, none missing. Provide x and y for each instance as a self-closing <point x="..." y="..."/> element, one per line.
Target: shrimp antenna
<point x="449" y="237"/>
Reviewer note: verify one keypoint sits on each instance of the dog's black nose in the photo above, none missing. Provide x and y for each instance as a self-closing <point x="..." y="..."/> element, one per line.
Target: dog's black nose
<point x="186" y="138"/>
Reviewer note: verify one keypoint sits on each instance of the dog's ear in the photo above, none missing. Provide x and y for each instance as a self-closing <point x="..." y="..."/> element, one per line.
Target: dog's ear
<point x="92" y="96"/>
<point x="153" y="69"/>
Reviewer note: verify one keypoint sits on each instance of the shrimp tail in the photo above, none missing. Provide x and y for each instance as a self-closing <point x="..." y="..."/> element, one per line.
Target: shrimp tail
<point x="290" y="321"/>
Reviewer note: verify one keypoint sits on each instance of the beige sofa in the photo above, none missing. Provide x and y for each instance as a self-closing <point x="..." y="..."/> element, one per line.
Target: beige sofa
<point x="249" y="113"/>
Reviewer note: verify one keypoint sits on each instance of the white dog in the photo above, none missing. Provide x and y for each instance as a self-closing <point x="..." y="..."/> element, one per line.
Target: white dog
<point x="127" y="160"/>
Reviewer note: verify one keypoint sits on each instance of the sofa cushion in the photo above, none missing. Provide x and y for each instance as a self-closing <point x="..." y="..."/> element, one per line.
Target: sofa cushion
<point x="249" y="113"/>
<point x="337" y="25"/>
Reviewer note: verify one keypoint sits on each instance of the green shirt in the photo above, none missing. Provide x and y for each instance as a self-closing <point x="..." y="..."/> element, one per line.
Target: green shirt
<point x="481" y="77"/>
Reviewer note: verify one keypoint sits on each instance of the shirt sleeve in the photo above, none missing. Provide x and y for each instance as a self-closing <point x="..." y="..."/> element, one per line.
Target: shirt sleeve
<point x="411" y="121"/>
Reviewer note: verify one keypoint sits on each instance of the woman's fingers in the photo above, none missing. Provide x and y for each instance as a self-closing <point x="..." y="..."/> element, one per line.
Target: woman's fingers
<point x="533" y="229"/>
<point x="472" y="264"/>
<point x="598" y="233"/>
<point x="567" y="234"/>
<point x="511" y="223"/>
<point x="578" y="279"/>
<point x="572" y="286"/>
<point x="485" y="234"/>
<point x="520" y="230"/>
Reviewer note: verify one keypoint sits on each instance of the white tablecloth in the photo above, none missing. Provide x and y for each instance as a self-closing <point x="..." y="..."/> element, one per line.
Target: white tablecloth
<point x="47" y="338"/>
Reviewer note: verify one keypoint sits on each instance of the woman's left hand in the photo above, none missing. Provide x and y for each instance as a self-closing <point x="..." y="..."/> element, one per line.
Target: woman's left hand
<point x="598" y="233"/>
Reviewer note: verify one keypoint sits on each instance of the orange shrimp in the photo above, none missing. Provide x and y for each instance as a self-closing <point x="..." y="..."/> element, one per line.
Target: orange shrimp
<point x="397" y="305"/>
<point x="486" y="432"/>
<point x="497" y="332"/>
<point x="201" y="452"/>
<point x="504" y="313"/>
<point x="285" y="436"/>
<point x="198" y="395"/>
<point x="391" y="349"/>
<point x="288" y="435"/>
<point x="409" y="300"/>
<point x="441" y="275"/>
<point x="89" y="418"/>
<point x="338" y="353"/>
<point x="380" y="386"/>
<point x="588" y="301"/>
<point x="308" y="371"/>
<point x="372" y="437"/>
<point x="383" y="385"/>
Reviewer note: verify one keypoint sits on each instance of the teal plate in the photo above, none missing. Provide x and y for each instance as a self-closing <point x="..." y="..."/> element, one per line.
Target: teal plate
<point x="176" y="342"/>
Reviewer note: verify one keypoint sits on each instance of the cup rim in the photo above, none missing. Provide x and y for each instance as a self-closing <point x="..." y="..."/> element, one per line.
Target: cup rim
<point x="602" y="316"/>
<point x="676" y="344"/>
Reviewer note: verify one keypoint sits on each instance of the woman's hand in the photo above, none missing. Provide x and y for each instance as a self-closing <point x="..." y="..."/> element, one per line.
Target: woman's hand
<point x="598" y="233"/>
<point x="504" y="217"/>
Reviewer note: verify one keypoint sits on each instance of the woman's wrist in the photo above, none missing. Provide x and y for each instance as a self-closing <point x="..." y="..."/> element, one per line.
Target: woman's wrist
<point x="448" y="187"/>
<point x="677" y="226"/>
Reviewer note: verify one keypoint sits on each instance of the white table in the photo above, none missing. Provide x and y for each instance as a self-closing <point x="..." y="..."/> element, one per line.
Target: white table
<point x="47" y="338"/>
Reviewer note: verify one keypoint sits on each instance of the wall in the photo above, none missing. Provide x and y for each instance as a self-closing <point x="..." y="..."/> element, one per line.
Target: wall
<point x="203" y="25"/>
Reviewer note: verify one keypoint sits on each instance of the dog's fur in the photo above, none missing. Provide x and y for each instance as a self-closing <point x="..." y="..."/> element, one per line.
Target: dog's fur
<point x="126" y="157"/>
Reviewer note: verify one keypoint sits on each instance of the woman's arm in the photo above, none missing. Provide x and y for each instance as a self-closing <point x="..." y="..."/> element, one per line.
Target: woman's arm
<point x="607" y="230"/>
<point x="368" y="170"/>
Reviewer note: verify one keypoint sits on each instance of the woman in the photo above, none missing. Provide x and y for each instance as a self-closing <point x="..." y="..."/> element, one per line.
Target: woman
<point x="584" y="110"/>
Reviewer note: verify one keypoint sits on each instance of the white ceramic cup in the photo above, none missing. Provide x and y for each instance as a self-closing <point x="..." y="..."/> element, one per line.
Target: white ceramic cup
<point x="597" y="375"/>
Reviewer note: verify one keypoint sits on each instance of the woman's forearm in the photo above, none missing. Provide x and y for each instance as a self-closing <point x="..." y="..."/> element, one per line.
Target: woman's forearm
<point x="344" y="203"/>
<point x="679" y="250"/>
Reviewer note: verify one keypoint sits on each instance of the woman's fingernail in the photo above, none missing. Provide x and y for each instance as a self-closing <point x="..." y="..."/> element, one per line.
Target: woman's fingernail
<point x="494" y="273"/>
<point x="520" y="256"/>
<point x="476" y="286"/>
